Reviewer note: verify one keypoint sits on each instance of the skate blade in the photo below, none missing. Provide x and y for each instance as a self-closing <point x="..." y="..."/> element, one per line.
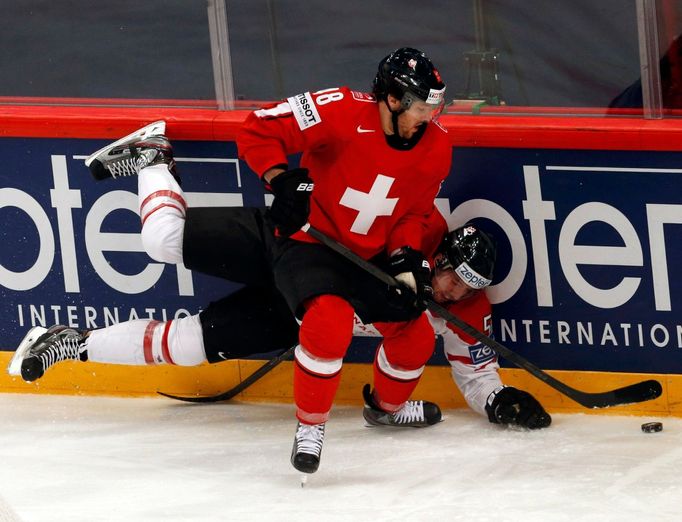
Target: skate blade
<point x="14" y="366"/>
<point x="153" y="129"/>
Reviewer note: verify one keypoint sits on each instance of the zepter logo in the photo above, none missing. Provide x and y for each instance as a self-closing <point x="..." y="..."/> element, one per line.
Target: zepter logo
<point x="471" y="277"/>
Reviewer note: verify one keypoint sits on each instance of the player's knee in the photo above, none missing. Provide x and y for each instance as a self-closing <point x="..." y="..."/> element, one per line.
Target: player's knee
<point x="327" y="327"/>
<point x="162" y="237"/>
<point x="185" y="341"/>
<point x="418" y="331"/>
<point x="411" y="344"/>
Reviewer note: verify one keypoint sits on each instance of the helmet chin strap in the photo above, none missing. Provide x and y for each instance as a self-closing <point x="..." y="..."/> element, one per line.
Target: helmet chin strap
<point x="396" y="140"/>
<point x="394" y="120"/>
<point x="394" y="117"/>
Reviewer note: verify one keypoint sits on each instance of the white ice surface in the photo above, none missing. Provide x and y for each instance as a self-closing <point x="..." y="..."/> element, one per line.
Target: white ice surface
<point x="93" y="458"/>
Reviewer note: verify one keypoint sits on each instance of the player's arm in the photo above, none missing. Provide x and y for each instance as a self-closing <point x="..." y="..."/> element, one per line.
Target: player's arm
<point x="475" y="370"/>
<point x="432" y="233"/>
<point x="409" y="250"/>
<point x="269" y="135"/>
<point x="411" y="241"/>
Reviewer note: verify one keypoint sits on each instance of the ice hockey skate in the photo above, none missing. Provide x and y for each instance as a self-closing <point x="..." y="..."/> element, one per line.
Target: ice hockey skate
<point x="42" y="348"/>
<point x="413" y="414"/>
<point x="14" y="366"/>
<point x="126" y="157"/>
<point x="305" y="454"/>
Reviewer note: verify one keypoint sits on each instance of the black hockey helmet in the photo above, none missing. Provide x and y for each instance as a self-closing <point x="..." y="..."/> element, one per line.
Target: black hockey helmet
<point x="471" y="253"/>
<point x="407" y="74"/>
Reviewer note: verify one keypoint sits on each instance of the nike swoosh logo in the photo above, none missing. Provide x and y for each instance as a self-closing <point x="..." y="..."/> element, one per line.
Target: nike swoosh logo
<point x="361" y="130"/>
<point x="222" y="355"/>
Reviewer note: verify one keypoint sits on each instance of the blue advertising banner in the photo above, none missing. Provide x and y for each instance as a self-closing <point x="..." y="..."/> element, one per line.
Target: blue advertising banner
<point x="587" y="277"/>
<point x="71" y="252"/>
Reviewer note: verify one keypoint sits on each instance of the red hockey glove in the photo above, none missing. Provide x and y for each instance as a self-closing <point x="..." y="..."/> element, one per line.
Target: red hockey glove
<point x="291" y="206"/>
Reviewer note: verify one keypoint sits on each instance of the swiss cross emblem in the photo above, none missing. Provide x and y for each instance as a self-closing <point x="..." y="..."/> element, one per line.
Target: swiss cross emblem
<point x="370" y="205"/>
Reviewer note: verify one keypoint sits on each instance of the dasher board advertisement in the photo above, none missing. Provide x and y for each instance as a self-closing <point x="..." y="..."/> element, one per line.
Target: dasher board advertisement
<point x="587" y="277"/>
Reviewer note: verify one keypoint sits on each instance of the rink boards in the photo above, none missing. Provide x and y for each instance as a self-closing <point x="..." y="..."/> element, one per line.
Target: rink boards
<point x="585" y="211"/>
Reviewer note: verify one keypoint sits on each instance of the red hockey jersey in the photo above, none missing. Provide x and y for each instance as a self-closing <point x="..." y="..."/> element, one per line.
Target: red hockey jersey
<point x="368" y="195"/>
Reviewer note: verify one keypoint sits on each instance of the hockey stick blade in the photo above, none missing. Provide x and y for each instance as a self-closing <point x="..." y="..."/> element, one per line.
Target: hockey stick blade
<point x="638" y="392"/>
<point x="236" y="390"/>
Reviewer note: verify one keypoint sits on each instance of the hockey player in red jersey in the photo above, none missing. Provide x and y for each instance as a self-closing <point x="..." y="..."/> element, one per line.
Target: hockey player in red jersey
<point x="370" y="170"/>
<point x="383" y="218"/>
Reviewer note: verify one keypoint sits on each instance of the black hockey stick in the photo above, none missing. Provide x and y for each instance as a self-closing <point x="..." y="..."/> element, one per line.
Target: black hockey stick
<point x="227" y="395"/>
<point x="638" y="392"/>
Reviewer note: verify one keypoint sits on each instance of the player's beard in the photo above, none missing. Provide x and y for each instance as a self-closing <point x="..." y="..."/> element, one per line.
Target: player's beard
<point x="409" y="133"/>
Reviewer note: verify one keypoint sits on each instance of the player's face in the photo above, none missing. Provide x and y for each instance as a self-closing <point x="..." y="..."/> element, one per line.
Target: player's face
<point x="418" y="114"/>
<point x="448" y="287"/>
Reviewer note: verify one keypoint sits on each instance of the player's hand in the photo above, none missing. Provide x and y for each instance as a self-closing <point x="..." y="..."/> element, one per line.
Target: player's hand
<point x="412" y="270"/>
<point x="291" y="206"/>
<point x="509" y="405"/>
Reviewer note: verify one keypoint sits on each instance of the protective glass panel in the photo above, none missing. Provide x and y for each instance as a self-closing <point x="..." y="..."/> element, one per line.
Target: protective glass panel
<point x="670" y="44"/>
<point x="153" y="52"/>
<point x="495" y="55"/>
<point x="280" y="48"/>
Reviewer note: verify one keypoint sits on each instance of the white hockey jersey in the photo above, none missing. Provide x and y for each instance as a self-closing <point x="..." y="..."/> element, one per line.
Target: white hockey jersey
<point x="474" y="366"/>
